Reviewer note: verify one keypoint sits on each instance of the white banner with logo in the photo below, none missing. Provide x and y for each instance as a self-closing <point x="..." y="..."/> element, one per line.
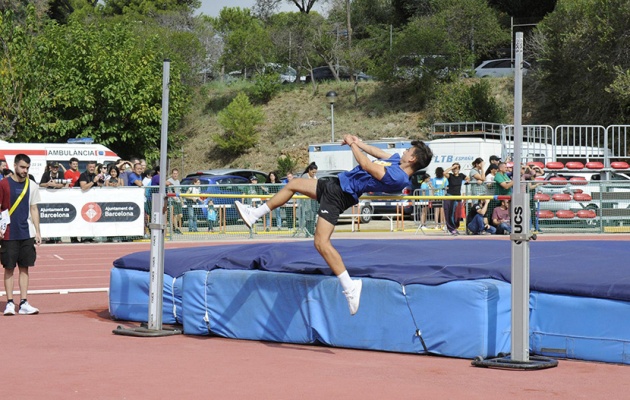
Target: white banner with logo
<point x="95" y="212"/>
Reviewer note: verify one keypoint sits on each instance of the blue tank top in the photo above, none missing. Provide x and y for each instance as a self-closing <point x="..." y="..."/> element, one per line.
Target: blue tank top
<point x="357" y="181"/>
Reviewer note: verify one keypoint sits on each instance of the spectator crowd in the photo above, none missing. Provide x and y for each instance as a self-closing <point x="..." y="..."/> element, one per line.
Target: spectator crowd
<point x="482" y="217"/>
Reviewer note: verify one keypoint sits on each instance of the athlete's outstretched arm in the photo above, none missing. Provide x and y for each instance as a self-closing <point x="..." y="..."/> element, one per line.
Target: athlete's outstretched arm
<point x="376" y="170"/>
<point x="371" y="150"/>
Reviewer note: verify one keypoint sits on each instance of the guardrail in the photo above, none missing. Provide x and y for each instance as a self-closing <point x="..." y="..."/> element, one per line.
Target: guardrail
<point x="188" y="220"/>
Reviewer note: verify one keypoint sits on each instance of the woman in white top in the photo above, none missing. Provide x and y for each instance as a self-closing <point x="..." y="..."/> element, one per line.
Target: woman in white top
<point x="477" y="177"/>
<point x="493" y="168"/>
<point x="191" y="202"/>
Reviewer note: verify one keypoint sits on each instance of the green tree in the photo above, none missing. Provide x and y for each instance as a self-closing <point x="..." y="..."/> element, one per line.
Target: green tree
<point x="148" y="7"/>
<point x="106" y="83"/>
<point x="239" y="120"/>
<point x="460" y="101"/>
<point x="457" y="32"/>
<point x="292" y="37"/>
<point x="471" y="25"/>
<point x="247" y="43"/>
<point x="23" y="80"/>
<point x="583" y="62"/>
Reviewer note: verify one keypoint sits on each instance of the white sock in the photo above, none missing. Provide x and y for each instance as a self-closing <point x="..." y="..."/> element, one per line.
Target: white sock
<point x="345" y="280"/>
<point x="260" y="211"/>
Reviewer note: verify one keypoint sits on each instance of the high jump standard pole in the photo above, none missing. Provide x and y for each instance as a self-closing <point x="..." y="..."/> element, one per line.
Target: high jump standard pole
<point x="519" y="357"/>
<point x="157" y="226"/>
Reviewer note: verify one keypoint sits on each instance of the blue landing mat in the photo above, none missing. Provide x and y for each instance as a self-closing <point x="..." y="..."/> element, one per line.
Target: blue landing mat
<point x="129" y="296"/>
<point x="579" y="268"/>
<point x="455" y="292"/>
<point x="459" y="319"/>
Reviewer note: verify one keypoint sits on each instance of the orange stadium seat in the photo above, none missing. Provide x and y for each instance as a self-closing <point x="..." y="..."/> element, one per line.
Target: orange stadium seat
<point x="586" y="214"/>
<point x="565" y="214"/>
<point x="541" y="197"/>
<point x="582" y="197"/>
<point x="555" y="165"/>
<point x="558" y="180"/>
<point x="574" y="165"/>
<point x="561" y="197"/>
<point x="594" y="165"/>
<point x="545" y="214"/>
<point x="536" y="163"/>
<point x="619" y="165"/>
<point x="578" y="180"/>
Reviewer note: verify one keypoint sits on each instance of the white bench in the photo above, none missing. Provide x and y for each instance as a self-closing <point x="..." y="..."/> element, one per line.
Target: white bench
<point x="357" y="218"/>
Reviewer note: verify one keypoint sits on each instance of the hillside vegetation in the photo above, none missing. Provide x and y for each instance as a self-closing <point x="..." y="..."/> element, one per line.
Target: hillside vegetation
<point x="299" y="116"/>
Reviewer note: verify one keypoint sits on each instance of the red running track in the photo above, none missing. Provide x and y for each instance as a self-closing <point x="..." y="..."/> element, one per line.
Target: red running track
<point x="68" y="351"/>
<point x="82" y="266"/>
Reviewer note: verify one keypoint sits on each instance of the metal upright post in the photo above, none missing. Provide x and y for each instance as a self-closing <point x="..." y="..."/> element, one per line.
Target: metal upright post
<point x="332" y="122"/>
<point x="332" y="97"/>
<point x="520" y="236"/>
<point x="157" y="226"/>
<point x="520" y="226"/>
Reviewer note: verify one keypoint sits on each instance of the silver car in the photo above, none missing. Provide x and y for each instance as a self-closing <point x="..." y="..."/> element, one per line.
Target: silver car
<point x="498" y="68"/>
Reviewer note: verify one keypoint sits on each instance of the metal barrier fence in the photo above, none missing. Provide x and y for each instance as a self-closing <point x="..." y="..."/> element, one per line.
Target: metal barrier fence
<point x="545" y="143"/>
<point x="595" y="207"/>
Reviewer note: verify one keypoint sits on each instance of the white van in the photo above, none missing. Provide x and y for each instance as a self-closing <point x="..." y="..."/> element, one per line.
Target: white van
<point x="463" y="150"/>
<point x="42" y="153"/>
<point x="335" y="156"/>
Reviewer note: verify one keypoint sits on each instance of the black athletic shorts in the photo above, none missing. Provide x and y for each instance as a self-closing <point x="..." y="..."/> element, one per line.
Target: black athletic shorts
<point x="18" y="252"/>
<point x="332" y="200"/>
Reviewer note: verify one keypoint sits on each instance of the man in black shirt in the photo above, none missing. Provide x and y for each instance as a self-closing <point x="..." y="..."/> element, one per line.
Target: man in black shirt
<point x="89" y="178"/>
<point x="53" y="179"/>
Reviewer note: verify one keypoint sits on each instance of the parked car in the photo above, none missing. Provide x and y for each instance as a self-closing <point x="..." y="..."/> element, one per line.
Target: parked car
<point x="498" y="68"/>
<point x="325" y="74"/>
<point x="215" y="184"/>
<point x="244" y="173"/>
<point x="411" y="67"/>
<point x="287" y="73"/>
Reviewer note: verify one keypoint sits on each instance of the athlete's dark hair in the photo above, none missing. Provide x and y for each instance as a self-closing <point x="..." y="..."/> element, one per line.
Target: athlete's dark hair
<point x="422" y="153"/>
<point x="22" y="157"/>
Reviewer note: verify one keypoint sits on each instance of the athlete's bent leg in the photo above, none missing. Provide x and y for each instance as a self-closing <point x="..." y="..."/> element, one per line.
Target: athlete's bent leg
<point x="351" y="288"/>
<point x="307" y="187"/>
<point x="322" y="242"/>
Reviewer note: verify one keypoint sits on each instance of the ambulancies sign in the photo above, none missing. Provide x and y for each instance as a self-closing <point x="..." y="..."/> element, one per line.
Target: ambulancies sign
<point x="78" y="152"/>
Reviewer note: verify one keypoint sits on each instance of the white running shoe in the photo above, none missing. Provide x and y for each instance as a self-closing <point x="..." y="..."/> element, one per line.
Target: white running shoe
<point x="9" y="309"/>
<point x="354" y="296"/>
<point x="27" y="309"/>
<point x="245" y="214"/>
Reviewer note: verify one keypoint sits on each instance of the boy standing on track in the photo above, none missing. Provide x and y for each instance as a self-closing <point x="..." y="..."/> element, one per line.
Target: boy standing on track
<point x="19" y="198"/>
<point x="389" y="173"/>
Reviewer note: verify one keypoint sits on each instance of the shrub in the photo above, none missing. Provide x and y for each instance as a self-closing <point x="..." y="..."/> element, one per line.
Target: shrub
<point x="265" y="87"/>
<point x="286" y="164"/>
<point x="461" y="101"/>
<point x="239" y="121"/>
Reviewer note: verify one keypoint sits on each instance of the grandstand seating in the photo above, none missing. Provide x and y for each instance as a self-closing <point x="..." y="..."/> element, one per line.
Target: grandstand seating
<point x="565" y="214"/>
<point x="582" y="197"/>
